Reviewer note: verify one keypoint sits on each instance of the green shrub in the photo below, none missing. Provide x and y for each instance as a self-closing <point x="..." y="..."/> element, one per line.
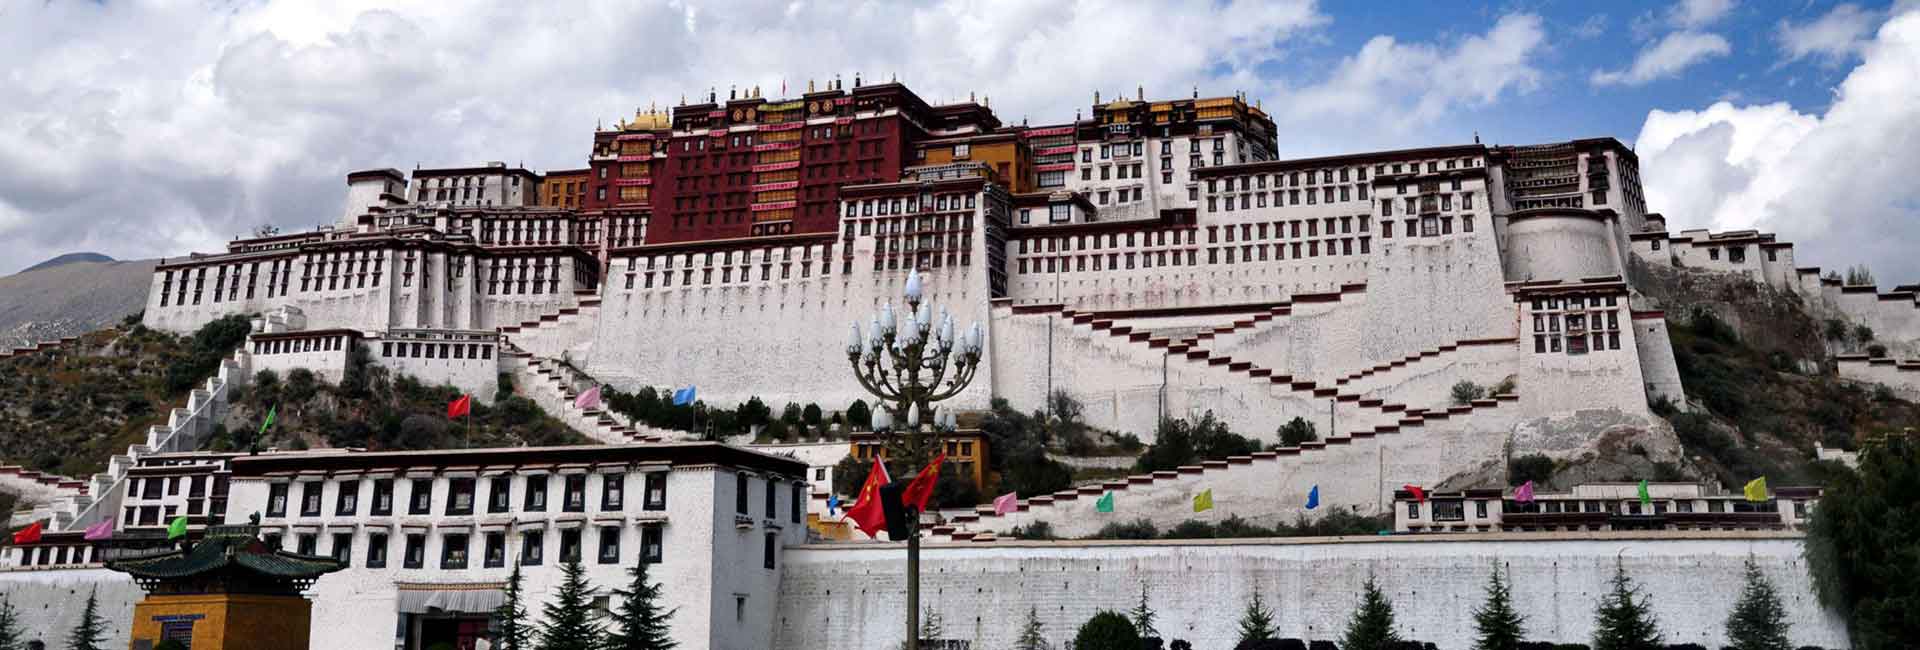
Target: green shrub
<point x="1140" y="528"/>
<point x="1533" y="467"/>
<point x="1107" y="630"/>
<point x="1466" y="391"/>
<point x="1296" y="431"/>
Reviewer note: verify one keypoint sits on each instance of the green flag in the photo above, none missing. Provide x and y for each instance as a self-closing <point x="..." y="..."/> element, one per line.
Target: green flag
<point x="269" y="421"/>
<point x="1645" y="499"/>
<point x="178" y="528"/>
<point x="1105" y="504"/>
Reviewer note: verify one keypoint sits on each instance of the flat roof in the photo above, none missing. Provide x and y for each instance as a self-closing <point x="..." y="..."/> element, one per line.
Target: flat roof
<point x="675" y="453"/>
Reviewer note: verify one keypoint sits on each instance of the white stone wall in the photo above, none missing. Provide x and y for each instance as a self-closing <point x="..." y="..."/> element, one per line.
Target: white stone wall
<point x="324" y="353"/>
<point x="1559" y="248"/>
<point x="48" y="602"/>
<point x="1901" y="376"/>
<point x="850" y="596"/>
<point x="1658" y="369"/>
<point x="475" y="375"/>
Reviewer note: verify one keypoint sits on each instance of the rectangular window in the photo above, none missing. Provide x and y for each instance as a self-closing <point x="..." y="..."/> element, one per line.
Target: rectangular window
<point x="773" y="498"/>
<point x="376" y="550"/>
<point x="343" y="548"/>
<point x="570" y="545"/>
<point x="609" y="544"/>
<point x="536" y="500"/>
<point x="453" y="551"/>
<point x="310" y="498"/>
<point x="499" y="494"/>
<point x="740" y="493"/>
<point x="769" y="550"/>
<point x="416" y="556"/>
<point x="612" y="491"/>
<point x="421" y="493"/>
<point x="576" y="493"/>
<point x="530" y="547"/>
<point x="382" y="497"/>
<point x="348" y="499"/>
<point x="277" y="500"/>
<point x="799" y="499"/>
<point x="652" y="551"/>
<point x="656" y="494"/>
<point x="460" y="496"/>
<point x="496" y="556"/>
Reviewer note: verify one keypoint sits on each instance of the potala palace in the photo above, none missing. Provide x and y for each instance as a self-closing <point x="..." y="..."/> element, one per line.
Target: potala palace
<point x="1154" y="258"/>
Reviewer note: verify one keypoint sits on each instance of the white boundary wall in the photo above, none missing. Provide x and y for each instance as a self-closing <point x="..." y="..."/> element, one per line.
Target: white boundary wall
<point x="851" y="596"/>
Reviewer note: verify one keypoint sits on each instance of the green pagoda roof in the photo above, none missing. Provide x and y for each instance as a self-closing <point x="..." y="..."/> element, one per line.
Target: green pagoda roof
<point x="234" y="551"/>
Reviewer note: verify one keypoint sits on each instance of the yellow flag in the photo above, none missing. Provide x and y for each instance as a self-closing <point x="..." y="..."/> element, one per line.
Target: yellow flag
<point x="1757" y="489"/>
<point x="1203" y="501"/>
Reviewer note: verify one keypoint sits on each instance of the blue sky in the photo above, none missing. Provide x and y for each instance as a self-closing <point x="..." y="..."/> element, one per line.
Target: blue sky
<point x="158" y="128"/>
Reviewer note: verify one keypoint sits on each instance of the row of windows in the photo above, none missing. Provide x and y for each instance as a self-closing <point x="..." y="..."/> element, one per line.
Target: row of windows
<point x="462" y="493"/>
<point x="430" y="350"/>
<point x="300" y="344"/>
<point x="883" y="207"/>
<point x="524" y="232"/>
<point x="1283" y="198"/>
<point x="1191" y="257"/>
<point x="455" y="549"/>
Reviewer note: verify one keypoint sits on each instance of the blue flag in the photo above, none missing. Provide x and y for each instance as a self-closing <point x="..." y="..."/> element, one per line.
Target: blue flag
<point x="833" y="504"/>
<point x="1313" y="498"/>
<point x="683" y="397"/>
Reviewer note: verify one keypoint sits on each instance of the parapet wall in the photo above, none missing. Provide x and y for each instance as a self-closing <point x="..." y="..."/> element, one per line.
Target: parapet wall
<point x="851" y="596"/>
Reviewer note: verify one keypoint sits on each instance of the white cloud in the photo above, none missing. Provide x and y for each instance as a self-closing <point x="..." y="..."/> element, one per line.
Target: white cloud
<point x="1835" y="184"/>
<point x="1667" y="58"/>
<point x="1834" y="37"/>
<point x="138" y="130"/>
<point x="1591" y="28"/>
<point x="1694" y="14"/>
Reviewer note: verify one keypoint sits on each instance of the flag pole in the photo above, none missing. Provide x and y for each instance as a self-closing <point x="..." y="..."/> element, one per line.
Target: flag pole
<point x="913" y="579"/>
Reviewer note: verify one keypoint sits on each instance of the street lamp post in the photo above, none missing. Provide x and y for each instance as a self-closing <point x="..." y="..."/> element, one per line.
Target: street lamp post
<point x="909" y="365"/>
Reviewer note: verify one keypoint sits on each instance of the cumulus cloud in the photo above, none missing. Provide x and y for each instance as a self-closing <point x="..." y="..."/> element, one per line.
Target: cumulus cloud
<point x="139" y="131"/>
<point x="1835" y="183"/>
<point x="1667" y="58"/>
<point x="1834" y="37"/>
<point x="1694" y="14"/>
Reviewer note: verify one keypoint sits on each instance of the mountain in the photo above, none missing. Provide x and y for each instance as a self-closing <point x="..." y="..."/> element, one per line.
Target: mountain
<point x="70" y="295"/>
<point x="69" y="258"/>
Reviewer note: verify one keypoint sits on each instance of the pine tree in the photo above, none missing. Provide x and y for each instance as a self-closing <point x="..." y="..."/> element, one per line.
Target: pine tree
<point x="1624" y="623"/>
<point x="1257" y="621"/>
<point x="1499" y="627"/>
<point x="1371" y="627"/>
<point x="512" y="616"/>
<point x="1030" y="638"/>
<point x="571" y="623"/>
<point x="640" y="624"/>
<point x="931" y="627"/>
<point x="1758" y="622"/>
<point x="91" y="631"/>
<point x="9" y="626"/>
<point x="1143" y="616"/>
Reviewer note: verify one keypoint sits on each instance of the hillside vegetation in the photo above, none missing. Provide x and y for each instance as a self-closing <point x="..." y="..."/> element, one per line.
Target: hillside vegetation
<point x="1760" y="382"/>
<point x="66" y="410"/>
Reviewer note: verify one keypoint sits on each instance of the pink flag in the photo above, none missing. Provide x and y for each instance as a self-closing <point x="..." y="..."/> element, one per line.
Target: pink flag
<point x="588" y="400"/>
<point x="1006" y="503"/>
<point x="1524" y="494"/>
<point x="99" y="531"/>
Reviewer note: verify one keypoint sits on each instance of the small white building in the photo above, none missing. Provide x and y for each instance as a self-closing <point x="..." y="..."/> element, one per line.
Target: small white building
<point x="1602" y="506"/>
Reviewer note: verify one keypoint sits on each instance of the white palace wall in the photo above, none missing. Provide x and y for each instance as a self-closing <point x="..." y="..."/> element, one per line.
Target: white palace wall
<point x="850" y="596"/>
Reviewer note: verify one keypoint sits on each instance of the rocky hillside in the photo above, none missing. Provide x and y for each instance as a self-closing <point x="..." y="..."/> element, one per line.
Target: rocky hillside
<point x="70" y="295"/>
<point x="1759" y="379"/>
<point x="66" y="410"/>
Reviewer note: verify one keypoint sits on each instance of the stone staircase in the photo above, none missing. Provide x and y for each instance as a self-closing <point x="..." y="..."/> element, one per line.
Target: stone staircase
<point x="186" y="429"/>
<point x="557" y="334"/>
<point x="1384" y="369"/>
<point x="554" y="386"/>
<point x="1292" y="464"/>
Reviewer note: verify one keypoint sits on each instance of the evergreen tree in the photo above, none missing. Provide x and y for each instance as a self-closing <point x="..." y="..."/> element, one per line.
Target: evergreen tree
<point x="571" y="623"/>
<point x="1030" y="638"/>
<point x="1625" y="623"/>
<point x="512" y="616"/>
<point x="639" y="624"/>
<point x="1499" y="627"/>
<point x="1371" y="627"/>
<point x="9" y="626"/>
<point x="1143" y="616"/>
<point x="91" y="631"/>
<point x="1107" y="631"/>
<point x="1257" y="621"/>
<point x="1758" y="622"/>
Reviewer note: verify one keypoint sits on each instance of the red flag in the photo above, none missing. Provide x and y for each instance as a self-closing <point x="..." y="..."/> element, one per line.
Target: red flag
<point x="1418" y="494"/>
<point x="460" y="407"/>
<point x="917" y="492"/>
<point x="28" y="535"/>
<point x="866" y="513"/>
